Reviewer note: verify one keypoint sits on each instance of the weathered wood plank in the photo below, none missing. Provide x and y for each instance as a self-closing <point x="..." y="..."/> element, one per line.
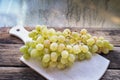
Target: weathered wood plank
<point x="21" y="73"/>
<point x="111" y="34"/>
<point x="10" y="54"/>
<point x="111" y="74"/>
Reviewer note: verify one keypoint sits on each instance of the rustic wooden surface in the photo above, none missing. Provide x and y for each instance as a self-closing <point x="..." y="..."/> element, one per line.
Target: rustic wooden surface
<point x="11" y="68"/>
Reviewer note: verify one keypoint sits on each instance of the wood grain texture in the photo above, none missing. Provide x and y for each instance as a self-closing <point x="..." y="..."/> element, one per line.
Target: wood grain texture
<point x="24" y="73"/>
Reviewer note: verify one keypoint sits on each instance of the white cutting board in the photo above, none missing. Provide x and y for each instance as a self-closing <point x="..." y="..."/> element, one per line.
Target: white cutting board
<point x="92" y="69"/>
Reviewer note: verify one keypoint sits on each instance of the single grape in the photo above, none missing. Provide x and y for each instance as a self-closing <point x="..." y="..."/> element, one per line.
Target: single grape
<point x="54" y="56"/>
<point x="53" y="38"/>
<point x="46" y="43"/>
<point x="46" y="51"/>
<point x="81" y="56"/>
<point x="61" y="38"/>
<point x="64" y="60"/>
<point x="110" y="47"/>
<point x="40" y="39"/>
<point x="59" y="33"/>
<point x="88" y="35"/>
<point x="51" y="32"/>
<point x="88" y="55"/>
<point x="24" y="49"/>
<point x="38" y="28"/>
<point x="94" y="48"/>
<point x="84" y="48"/>
<point x="99" y="43"/>
<point x="105" y="51"/>
<point x="71" y="58"/>
<point x="54" y="46"/>
<point x="83" y="31"/>
<point x="66" y="32"/>
<point x="45" y="32"/>
<point x="76" y="49"/>
<point x="90" y="42"/>
<point x="64" y="54"/>
<point x="34" y="53"/>
<point x="75" y="35"/>
<point x="69" y="48"/>
<point x="45" y="64"/>
<point x="61" y="47"/>
<point x="101" y="38"/>
<point x="46" y="58"/>
<point x="26" y="56"/>
<point x="53" y="64"/>
<point x="60" y="66"/>
<point x="106" y="43"/>
<point x="39" y="46"/>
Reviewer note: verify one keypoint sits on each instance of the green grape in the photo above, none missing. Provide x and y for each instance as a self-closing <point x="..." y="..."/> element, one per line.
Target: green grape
<point x="84" y="38"/>
<point x="46" y="51"/>
<point x="69" y="48"/>
<point x="46" y="43"/>
<point x="59" y="33"/>
<point x="40" y="39"/>
<point x="75" y="35"/>
<point x="26" y="56"/>
<point x="54" y="46"/>
<point x="90" y="42"/>
<point x="83" y="31"/>
<point x="105" y="50"/>
<point x="24" y="49"/>
<point x="45" y="32"/>
<point x="71" y="58"/>
<point x="30" y="49"/>
<point x="61" y="47"/>
<point x="45" y="64"/>
<point x="39" y="46"/>
<point x="46" y="58"/>
<point x="88" y="35"/>
<point x="69" y="64"/>
<point x="53" y="38"/>
<point x="110" y="47"/>
<point x="76" y="49"/>
<point x="61" y="38"/>
<point x="34" y="53"/>
<point x="60" y="66"/>
<point x="99" y="43"/>
<point x="81" y="56"/>
<point x="94" y="48"/>
<point x="28" y="43"/>
<point x="51" y="32"/>
<point x="53" y="64"/>
<point x="95" y="38"/>
<point x="64" y="60"/>
<point x="106" y="43"/>
<point x="32" y="34"/>
<point x="101" y="38"/>
<point x="88" y="55"/>
<point x="33" y="44"/>
<point x="84" y="48"/>
<point x="54" y="56"/>
<point x="64" y="54"/>
<point x="38" y="28"/>
<point x="66" y="32"/>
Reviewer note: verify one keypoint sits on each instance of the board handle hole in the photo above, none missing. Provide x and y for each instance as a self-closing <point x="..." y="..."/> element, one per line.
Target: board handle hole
<point x="17" y="30"/>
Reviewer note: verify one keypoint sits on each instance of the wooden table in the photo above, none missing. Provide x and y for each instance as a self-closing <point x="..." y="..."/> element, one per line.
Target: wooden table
<point x="11" y="68"/>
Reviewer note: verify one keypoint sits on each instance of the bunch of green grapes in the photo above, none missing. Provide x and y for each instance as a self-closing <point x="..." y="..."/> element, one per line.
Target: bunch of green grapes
<point x="61" y="49"/>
